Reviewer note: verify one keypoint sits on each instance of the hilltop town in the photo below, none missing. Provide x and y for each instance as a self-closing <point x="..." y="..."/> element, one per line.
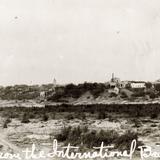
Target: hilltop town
<point x="113" y="90"/>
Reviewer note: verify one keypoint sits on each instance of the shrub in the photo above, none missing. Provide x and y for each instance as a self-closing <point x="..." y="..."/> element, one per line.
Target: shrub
<point x="81" y="135"/>
<point x="1" y="146"/>
<point x="81" y="116"/>
<point x="25" y="118"/>
<point x="124" y="95"/>
<point x="32" y="115"/>
<point x="7" y="121"/>
<point x="69" y="117"/>
<point x="124" y="141"/>
<point x="154" y="115"/>
<point x="153" y="125"/>
<point x="137" y="123"/>
<point x="12" y="115"/>
<point x="107" y="136"/>
<point x="5" y="125"/>
<point x="64" y="134"/>
<point x="101" y="115"/>
<point x="53" y="115"/>
<point x="92" y="111"/>
<point x="157" y="86"/>
<point x="153" y="96"/>
<point x="45" y="117"/>
<point x="112" y="94"/>
<point x="139" y="93"/>
<point x="148" y="85"/>
<point x="75" y="91"/>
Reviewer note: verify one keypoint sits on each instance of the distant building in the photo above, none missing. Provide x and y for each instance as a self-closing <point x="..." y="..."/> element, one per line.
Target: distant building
<point x="114" y="85"/>
<point x="115" y="82"/>
<point x="115" y="79"/>
<point x="114" y="90"/>
<point x="48" y="90"/>
<point x="54" y="82"/>
<point x="138" y="85"/>
<point x="42" y="95"/>
<point x="54" y="86"/>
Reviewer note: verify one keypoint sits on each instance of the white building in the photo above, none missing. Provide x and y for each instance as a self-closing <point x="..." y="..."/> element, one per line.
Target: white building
<point x="42" y="94"/>
<point x="138" y="85"/>
<point x="114" y="90"/>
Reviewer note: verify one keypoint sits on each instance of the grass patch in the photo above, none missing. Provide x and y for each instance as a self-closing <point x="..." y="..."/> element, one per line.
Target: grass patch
<point x="90" y="138"/>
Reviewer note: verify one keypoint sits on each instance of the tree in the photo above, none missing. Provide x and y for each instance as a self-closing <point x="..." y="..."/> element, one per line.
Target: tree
<point x="148" y="85"/>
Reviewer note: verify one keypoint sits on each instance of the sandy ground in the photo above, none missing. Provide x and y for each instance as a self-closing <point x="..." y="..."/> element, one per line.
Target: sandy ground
<point x="18" y="136"/>
<point x="20" y="103"/>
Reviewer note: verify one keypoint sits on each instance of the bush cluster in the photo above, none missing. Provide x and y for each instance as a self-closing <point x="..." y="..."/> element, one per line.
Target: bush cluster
<point x="75" y="91"/>
<point x="82" y="135"/>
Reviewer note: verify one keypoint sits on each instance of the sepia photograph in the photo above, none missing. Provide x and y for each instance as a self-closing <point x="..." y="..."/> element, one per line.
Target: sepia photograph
<point x="79" y="80"/>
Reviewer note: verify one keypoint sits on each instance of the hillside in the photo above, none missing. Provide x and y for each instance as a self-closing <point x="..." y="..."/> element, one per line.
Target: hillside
<point x="85" y="93"/>
<point x="92" y="93"/>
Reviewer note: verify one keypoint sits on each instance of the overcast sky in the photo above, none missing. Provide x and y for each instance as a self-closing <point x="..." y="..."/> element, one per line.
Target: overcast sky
<point x="78" y="40"/>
